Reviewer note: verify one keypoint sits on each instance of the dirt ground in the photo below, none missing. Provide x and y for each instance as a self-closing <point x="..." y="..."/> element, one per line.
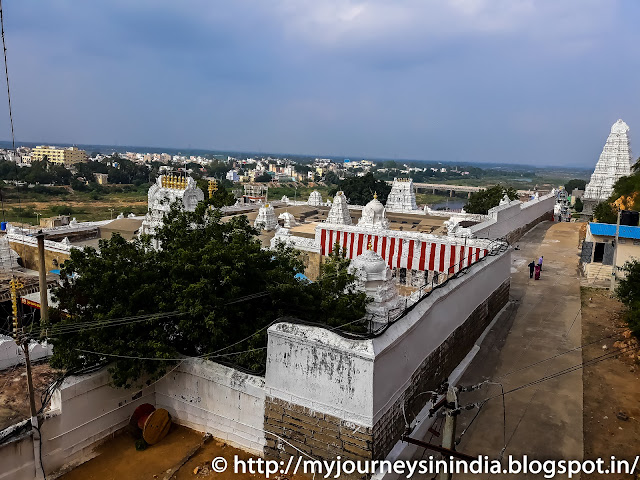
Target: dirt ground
<point x="611" y="388"/>
<point x="119" y="460"/>
<point x="14" y="396"/>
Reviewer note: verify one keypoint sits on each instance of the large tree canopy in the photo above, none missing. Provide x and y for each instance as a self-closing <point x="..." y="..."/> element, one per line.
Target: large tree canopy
<point x="575" y="183"/>
<point x="224" y="288"/>
<point x="482" y="201"/>
<point x="360" y="190"/>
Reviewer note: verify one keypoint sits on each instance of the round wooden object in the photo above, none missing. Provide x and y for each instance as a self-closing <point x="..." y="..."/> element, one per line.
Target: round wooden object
<point x="142" y="411"/>
<point x="157" y="426"/>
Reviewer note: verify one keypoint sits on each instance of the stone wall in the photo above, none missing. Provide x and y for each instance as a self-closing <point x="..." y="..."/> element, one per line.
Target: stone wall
<point x="290" y="428"/>
<point x="325" y="391"/>
<point x="512" y="220"/>
<point x="53" y="259"/>
<point x="516" y="234"/>
<point x="435" y="369"/>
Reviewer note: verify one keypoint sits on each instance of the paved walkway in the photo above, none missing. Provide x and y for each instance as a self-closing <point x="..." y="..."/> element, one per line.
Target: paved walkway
<point x="543" y="421"/>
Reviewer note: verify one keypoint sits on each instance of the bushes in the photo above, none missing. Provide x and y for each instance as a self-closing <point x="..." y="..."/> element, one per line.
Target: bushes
<point x="628" y="291"/>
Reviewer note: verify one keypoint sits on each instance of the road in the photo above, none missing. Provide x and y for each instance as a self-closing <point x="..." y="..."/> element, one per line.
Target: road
<point x="543" y="420"/>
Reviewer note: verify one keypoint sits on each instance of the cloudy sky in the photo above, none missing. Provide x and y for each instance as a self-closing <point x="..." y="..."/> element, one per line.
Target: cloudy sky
<point x="515" y="81"/>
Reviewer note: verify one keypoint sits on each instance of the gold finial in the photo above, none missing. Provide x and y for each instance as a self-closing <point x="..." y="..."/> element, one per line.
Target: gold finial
<point x="375" y="195"/>
<point x="369" y="246"/>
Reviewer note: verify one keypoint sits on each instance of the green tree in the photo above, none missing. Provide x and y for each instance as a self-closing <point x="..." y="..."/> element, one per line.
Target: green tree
<point x="628" y="291"/>
<point x="480" y="202"/>
<point x="575" y="183"/>
<point x="578" y="206"/>
<point x="360" y="190"/>
<point x="224" y="287"/>
<point x="604" y="212"/>
<point x="331" y="178"/>
<point x="263" y="178"/>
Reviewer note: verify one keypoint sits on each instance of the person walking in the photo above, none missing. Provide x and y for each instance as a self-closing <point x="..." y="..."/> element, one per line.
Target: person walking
<point x="532" y="266"/>
<point x="540" y="262"/>
<point x="537" y="274"/>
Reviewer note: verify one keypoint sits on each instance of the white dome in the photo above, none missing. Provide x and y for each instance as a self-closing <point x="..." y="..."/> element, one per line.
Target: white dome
<point x="370" y="262"/>
<point x="373" y="215"/>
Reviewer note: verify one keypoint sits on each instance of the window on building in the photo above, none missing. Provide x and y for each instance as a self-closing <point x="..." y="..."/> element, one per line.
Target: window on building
<point x="622" y="240"/>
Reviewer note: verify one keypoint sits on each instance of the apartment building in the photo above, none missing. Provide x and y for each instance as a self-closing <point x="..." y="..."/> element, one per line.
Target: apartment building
<point x="61" y="156"/>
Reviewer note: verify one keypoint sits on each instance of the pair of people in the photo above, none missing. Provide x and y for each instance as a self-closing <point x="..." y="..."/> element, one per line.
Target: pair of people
<point x="535" y="269"/>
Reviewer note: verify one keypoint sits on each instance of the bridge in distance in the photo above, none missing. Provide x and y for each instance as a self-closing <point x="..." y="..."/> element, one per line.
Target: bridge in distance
<point x="452" y="189"/>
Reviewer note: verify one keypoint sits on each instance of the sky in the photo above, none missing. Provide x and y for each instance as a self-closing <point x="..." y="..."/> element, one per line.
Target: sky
<point x="512" y="81"/>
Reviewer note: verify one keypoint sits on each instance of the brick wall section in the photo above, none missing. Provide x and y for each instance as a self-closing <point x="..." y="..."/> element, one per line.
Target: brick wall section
<point x="519" y="232"/>
<point x="434" y="370"/>
<point x="324" y="436"/>
<point x="317" y="434"/>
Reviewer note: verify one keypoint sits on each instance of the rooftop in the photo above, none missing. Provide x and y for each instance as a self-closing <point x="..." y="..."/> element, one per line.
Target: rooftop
<point x="609" y="230"/>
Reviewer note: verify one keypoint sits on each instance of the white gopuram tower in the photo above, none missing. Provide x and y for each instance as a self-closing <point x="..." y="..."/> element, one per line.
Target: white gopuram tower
<point x="614" y="162"/>
<point x="165" y="191"/>
<point x="375" y="279"/>
<point x="266" y="219"/>
<point x="339" y="212"/>
<point x="315" y="199"/>
<point x="402" y="197"/>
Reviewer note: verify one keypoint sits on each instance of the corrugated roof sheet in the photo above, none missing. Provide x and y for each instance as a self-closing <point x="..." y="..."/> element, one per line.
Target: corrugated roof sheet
<point x="609" y="230"/>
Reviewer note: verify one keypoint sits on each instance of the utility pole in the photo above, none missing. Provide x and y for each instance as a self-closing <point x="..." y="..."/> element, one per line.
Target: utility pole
<point x="615" y="251"/>
<point x="42" y="276"/>
<point x="449" y="430"/>
<point x="23" y="341"/>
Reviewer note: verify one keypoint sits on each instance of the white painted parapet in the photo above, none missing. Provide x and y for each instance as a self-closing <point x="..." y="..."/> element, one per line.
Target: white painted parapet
<point x="223" y="401"/>
<point x="11" y="353"/>
<point x="509" y="217"/>
<point x="359" y="380"/>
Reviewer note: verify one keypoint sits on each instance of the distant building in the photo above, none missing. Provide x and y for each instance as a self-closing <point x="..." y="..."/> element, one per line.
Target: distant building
<point x="52" y="222"/>
<point x="101" y="178"/>
<point x="232" y="175"/>
<point x="59" y="156"/>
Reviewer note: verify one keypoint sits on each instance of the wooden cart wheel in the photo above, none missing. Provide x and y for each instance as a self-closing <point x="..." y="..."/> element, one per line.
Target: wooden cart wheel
<point x="157" y="426"/>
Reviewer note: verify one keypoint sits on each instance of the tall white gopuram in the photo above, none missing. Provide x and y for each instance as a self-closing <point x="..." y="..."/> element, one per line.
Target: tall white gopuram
<point x="315" y="199"/>
<point x="266" y="219"/>
<point x="614" y="162"/>
<point x="339" y="212"/>
<point x="163" y="193"/>
<point x="374" y="277"/>
<point x="402" y="197"/>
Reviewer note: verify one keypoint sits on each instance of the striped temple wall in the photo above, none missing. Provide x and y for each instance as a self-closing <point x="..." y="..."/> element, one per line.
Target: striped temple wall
<point x="432" y="254"/>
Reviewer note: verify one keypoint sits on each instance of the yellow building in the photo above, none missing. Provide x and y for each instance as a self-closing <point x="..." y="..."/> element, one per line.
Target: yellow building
<point x="61" y="156"/>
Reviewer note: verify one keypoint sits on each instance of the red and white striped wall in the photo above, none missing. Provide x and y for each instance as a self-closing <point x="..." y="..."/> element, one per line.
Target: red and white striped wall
<point x="412" y="254"/>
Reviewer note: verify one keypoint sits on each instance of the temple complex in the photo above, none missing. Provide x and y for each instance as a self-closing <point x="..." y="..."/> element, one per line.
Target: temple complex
<point x="402" y="197"/>
<point x="165" y="191"/>
<point x="614" y="163"/>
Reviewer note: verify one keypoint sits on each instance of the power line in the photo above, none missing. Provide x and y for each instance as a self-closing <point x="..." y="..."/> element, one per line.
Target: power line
<point x="567" y="370"/>
<point x="6" y="72"/>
